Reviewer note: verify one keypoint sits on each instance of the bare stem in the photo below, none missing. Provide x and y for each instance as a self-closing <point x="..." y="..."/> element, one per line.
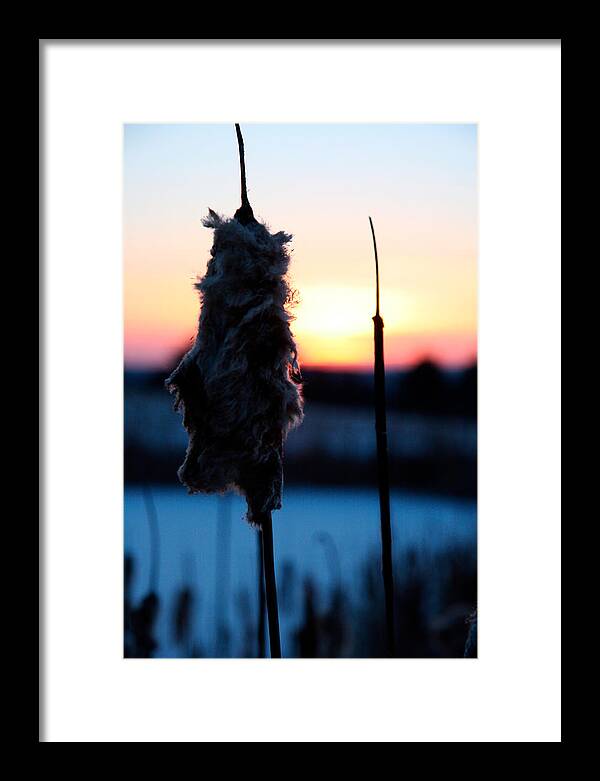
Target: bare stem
<point x="383" y="479"/>
<point x="242" y="164"/>
<point x="244" y="214"/>
<point x="270" y="586"/>
<point x="261" y="598"/>
<point x="376" y="268"/>
<point x="152" y="517"/>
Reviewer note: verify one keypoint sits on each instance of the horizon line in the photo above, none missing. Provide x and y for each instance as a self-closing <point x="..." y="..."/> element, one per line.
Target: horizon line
<point x="332" y="368"/>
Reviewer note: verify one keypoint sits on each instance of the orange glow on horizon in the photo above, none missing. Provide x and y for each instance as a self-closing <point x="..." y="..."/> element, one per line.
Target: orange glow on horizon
<point x="418" y="181"/>
<point x="332" y="324"/>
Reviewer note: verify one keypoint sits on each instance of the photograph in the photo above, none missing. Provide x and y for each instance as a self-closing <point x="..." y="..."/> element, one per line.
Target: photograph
<point x="300" y="390"/>
<point x="300" y="436"/>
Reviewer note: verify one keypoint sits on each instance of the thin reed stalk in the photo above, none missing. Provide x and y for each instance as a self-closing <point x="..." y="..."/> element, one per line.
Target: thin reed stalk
<point x="222" y="573"/>
<point x="152" y="517"/>
<point x="244" y="214"/>
<point x="266" y="534"/>
<point x="383" y="479"/>
<point x="261" y="598"/>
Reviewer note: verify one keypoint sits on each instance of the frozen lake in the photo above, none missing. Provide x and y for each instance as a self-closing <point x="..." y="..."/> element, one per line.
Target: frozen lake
<point x="324" y="534"/>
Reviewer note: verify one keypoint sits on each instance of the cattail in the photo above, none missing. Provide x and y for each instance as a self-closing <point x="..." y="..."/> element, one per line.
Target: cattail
<point x="471" y="644"/>
<point x="383" y="478"/>
<point x="222" y="575"/>
<point x="141" y="620"/>
<point x="153" y="528"/>
<point x="182" y="617"/>
<point x="239" y="385"/>
<point x="260" y="624"/>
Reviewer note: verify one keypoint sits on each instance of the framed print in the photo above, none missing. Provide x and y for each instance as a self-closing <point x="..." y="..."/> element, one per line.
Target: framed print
<point x="300" y="491"/>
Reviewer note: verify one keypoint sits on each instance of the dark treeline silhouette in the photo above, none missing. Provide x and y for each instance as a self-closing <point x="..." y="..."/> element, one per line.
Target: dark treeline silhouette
<point x="429" y="457"/>
<point x="426" y="389"/>
<point x="449" y="475"/>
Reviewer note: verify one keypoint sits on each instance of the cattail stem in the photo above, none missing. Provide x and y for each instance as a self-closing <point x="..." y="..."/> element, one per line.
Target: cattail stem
<point x="244" y="214"/>
<point x="152" y="517"/>
<point x="266" y="534"/>
<point x="240" y="140"/>
<point x="383" y="466"/>
<point x="376" y="269"/>
<point x="261" y="598"/>
<point x="222" y="573"/>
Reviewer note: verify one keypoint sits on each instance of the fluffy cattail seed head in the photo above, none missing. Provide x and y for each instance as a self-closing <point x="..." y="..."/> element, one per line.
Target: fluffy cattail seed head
<point x="239" y="386"/>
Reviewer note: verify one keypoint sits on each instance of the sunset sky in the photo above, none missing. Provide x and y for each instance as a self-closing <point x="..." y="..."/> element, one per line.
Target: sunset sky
<point x="320" y="183"/>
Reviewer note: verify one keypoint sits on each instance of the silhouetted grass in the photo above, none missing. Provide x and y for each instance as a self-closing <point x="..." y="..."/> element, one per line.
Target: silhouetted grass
<point x="435" y="600"/>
